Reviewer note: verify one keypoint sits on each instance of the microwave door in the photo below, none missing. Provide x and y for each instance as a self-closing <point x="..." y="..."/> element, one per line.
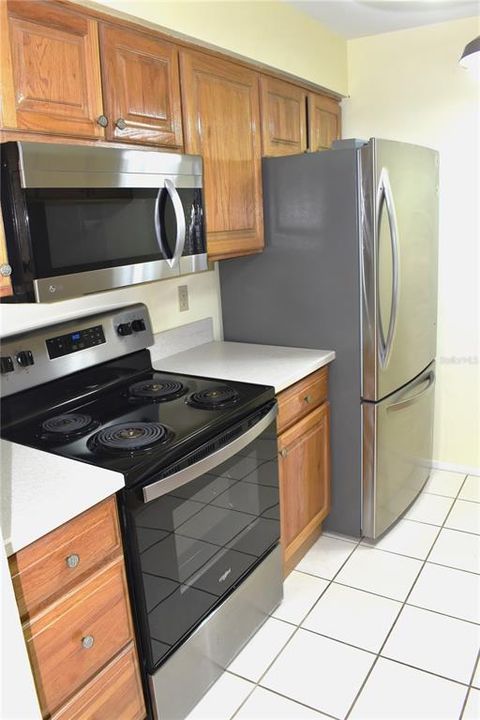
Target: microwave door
<point x="113" y="239"/>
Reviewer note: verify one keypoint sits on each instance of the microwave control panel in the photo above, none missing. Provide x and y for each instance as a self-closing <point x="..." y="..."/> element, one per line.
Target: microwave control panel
<point x="75" y="341"/>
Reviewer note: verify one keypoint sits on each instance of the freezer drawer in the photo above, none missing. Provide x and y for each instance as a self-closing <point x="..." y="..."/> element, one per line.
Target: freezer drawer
<point x="397" y="451"/>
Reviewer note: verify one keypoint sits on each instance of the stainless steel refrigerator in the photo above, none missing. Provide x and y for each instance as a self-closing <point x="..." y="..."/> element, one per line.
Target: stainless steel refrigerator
<point x="350" y="264"/>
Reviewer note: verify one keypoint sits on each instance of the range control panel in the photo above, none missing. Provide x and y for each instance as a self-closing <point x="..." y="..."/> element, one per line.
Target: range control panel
<point x="44" y="354"/>
<point x="77" y="340"/>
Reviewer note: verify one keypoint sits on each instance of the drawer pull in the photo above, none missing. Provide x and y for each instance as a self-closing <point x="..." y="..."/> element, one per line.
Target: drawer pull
<point x="73" y="560"/>
<point x="308" y="399"/>
<point x="87" y="642"/>
<point x="284" y="452"/>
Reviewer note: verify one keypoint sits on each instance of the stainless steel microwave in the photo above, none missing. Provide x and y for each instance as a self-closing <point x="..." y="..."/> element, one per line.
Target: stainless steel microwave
<point x="82" y="219"/>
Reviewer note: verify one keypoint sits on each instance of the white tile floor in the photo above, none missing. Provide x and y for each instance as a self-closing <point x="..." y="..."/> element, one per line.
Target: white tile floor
<point x="372" y="631"/>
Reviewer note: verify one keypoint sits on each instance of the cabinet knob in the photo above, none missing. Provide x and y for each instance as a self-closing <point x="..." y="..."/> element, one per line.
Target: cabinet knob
<point x="121" y="124"/>
<point x="73" y="560"/>
<point x="87" y="641"/>
<point x="308" y="399"/>
<point x="5" y="270"/>
<point x="284" y="452"/>
<point x="102" y="120"/>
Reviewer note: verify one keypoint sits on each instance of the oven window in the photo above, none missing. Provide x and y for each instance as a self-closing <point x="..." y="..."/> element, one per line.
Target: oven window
<point x="76" y="230"/>
<point x="195" y="544"/>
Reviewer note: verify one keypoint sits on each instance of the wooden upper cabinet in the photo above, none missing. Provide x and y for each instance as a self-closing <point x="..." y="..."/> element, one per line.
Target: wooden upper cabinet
<point x="50" y="69"/>
<point x="222" y="123"/>
<point x="284" y="120"/>
<point x="324" y="121"/>
<point x="141" y="87"/>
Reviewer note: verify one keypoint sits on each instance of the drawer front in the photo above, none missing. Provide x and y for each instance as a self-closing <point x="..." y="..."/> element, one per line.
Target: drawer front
<point x="300" y="399"/>
<point x="116" y="692"/>
<point x="56" y="562"/>
<point x="78" y="635"/>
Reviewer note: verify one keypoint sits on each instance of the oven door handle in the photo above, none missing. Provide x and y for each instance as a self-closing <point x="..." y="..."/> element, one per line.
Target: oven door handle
<point x="172" y="482"/>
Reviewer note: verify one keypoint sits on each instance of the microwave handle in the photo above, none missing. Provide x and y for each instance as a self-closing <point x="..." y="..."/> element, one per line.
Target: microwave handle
<point x="206" y="464"/>
<point x="180" y="220"/>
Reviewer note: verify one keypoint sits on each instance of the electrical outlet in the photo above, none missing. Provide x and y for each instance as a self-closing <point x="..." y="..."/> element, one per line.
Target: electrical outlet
<point x="183" y="298"/>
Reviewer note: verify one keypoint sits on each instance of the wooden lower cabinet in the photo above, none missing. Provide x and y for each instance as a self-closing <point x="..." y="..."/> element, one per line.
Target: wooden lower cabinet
<point x="304" y="469"/>
<point x="114" y="694"/>
<point x="79" y="633"/>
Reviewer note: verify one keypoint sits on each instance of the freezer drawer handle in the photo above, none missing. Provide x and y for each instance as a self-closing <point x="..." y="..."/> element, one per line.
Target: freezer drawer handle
<point x="385" y="198"/>
<point x="429" y="379"/>
<point x="172" y="482"/>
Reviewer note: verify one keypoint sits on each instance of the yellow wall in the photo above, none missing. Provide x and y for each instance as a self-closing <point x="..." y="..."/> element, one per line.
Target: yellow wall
<point x="408" y="86"/>
<point x="160" y="297"/>
<point x="270" y="32"/>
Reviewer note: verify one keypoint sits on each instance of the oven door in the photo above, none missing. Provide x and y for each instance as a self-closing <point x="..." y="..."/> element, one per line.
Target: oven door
<point x="193" y="536"/>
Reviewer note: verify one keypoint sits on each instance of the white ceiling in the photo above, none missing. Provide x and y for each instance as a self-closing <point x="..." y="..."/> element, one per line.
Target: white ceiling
<point x="356" y="18"/>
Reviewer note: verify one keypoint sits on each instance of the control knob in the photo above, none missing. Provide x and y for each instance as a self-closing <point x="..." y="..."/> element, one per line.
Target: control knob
<point x="6" y="364"/>
<point x="25" y="358"/>
<point x="124" y="329"/>
<point x="138" y="325"/>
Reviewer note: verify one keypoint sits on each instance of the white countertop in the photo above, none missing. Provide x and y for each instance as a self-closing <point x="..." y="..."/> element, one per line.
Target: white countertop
<point x="246" y="362"/>
<point x="41" y="491"/>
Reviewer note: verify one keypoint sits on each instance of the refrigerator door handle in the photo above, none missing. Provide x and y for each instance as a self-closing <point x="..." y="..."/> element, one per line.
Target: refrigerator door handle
<point x="429" y="379"/>
<point x="385" y="198"/>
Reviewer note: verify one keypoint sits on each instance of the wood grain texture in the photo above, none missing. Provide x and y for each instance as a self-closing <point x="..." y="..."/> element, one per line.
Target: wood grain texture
<point x="222" y="123"/>
<point x="5" y="282"/>
<point x="300" y="399"/>
<point x="40" y="572"/>
<point x="55" y="67"/>
<point x="304" y="470"/>
<point x="114" y="694"/>
<point x="284" y="120"/>
<point x="98" y="607"/>
<point x="141" y="85"/>
<point x="324" y="121"/>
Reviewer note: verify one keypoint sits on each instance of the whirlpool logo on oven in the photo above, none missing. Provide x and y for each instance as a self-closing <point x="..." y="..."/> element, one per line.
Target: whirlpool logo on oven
<point x="223" y="577"/>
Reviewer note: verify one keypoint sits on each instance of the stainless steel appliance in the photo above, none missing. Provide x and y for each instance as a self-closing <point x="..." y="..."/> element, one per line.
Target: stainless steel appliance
<point x="199" y="511"/>
<point x="80" y="219"/>
<point x="351" y="264"/>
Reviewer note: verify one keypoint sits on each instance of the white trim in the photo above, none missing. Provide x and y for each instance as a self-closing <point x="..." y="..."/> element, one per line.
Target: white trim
<point x="454" y="467"/>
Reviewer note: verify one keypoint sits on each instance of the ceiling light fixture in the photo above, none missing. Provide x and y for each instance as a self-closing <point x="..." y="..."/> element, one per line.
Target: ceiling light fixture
<point x="471" y="55"/>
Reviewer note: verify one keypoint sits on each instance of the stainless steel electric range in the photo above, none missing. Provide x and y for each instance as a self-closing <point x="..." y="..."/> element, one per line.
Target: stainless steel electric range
<point x="200" y="507"/>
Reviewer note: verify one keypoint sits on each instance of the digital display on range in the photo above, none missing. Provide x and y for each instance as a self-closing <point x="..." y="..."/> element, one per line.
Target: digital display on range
<point x="73" y="342"/>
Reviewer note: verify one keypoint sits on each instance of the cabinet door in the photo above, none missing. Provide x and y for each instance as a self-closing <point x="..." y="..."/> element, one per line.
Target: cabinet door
<point x="51" y="76"/>
<point x="284" y="119"/>
<point x="304" y="466"/>
<point x="222" y="123"/>
<point x="324" y="116"/>
<point x="5" y="269"/>
<point x="141" y="87"/>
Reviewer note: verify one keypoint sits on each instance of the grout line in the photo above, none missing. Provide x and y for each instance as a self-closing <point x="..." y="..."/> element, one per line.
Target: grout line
<point x="427" y="672"/>
<point x="403" y="605"/>
<point x="292" y="636"/>
<point x="377" y="655"/>
<point x="462" y="712"/>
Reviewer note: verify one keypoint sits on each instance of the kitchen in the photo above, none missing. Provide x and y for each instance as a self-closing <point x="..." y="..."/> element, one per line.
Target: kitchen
<point x="389" y="99"/>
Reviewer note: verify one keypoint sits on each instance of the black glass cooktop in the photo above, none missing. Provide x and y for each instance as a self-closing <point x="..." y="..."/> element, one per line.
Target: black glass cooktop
<point x="127" y="417"/>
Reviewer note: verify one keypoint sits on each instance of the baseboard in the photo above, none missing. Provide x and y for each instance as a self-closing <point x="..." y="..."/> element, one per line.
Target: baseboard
<point x="453" y="467"/>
